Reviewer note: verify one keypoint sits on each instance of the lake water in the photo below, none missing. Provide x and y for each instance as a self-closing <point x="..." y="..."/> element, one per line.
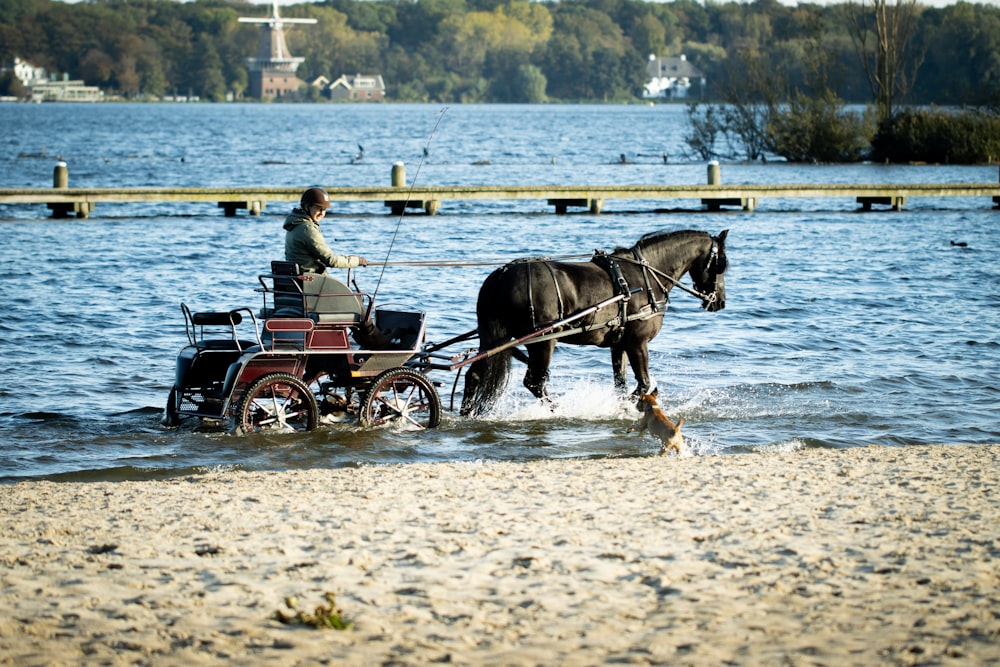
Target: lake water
<point x="842" y="328"/>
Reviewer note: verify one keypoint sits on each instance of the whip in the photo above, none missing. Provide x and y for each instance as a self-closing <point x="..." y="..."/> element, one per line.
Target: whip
<point x="402" y="211"/>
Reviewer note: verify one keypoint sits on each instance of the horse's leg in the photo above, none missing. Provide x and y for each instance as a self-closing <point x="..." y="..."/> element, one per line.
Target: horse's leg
<point x="638" y="357"/>
<point x="618" y="368"/>
<point x="539" y="358"/>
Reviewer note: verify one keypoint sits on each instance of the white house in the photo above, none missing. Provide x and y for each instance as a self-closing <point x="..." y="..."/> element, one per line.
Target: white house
<point x="671" y="77"/>
<point x="45" y="88"/>
<point x="26" y="72"/>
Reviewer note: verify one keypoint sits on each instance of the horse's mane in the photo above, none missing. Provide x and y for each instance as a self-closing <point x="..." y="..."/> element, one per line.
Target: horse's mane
<point x="658" y="236"/>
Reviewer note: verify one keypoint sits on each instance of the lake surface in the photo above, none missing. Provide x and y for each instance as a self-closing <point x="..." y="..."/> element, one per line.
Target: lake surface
<point x="842" y="328"/>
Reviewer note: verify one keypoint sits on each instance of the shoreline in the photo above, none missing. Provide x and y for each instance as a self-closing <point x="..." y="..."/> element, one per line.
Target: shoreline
<point x="869" y="555"/>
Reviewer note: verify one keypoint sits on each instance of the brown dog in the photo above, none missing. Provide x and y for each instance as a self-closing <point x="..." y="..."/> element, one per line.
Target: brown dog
<point x="654" y="419"/>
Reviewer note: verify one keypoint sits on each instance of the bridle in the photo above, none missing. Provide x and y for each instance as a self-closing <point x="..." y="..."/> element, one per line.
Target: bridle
<point x="648" y="270"/>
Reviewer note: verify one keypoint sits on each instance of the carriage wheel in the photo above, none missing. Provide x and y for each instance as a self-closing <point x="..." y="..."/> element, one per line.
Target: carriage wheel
<point x="401" y="395"/>
<point x="170" y="416"/>
<point x="277" y="401"/>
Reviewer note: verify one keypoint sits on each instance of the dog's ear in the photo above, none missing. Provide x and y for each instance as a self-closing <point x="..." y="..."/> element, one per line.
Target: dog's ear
<point x="655" y="392"/>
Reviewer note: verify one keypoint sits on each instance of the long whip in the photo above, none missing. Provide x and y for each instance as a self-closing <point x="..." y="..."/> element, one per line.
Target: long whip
<point x="409" y="192"/>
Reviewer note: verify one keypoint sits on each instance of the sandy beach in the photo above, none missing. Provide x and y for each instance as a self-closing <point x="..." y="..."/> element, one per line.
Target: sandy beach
<point x="868" y="556"/>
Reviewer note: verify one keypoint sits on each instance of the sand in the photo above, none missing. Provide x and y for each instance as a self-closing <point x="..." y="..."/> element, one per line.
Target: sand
<point x="867" y="556"/>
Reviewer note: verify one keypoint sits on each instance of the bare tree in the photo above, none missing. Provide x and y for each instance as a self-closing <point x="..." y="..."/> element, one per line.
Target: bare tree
<point x="881" y="31"/>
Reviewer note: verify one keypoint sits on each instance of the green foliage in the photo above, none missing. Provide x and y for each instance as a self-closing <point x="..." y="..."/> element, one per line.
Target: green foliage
<point x="819" y="129"/>
<point x="326" y="616"/>
<point x="502" y="50"/>
<point x="11" y="86"/>
<point x="927" y="135"/>
<point x="529" y="85"/>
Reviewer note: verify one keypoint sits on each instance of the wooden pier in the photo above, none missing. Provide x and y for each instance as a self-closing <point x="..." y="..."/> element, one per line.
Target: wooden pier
<point x="712" y="196"/>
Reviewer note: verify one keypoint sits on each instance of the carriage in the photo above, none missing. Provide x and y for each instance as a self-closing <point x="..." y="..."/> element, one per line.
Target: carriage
<point x="319" y="351"/>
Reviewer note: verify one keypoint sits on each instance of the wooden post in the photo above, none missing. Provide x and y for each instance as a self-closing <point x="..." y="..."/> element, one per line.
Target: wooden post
<point x="714" y="173"/>
<point x="399" y="175"/>
<point x="60" y="181"/>
<point x="716" y="203"/>
<point x="60" y="175"/>
<point x="398" y="181"/>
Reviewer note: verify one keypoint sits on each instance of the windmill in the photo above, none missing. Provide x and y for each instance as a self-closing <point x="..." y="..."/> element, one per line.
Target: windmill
<point x="272" y="71"/>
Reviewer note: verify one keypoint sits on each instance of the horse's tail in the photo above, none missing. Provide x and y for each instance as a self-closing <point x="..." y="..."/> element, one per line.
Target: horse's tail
<point x="487" y="378"/>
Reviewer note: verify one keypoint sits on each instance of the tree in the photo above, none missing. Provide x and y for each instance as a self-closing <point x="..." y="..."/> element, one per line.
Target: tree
<point x="881" y="32"/>
<point x="529" y="85"/>
<point x="819" y="129"/>
<point x="11" y="85"/>
<point x="705" y="124"/>
<point x="649" y="36"/>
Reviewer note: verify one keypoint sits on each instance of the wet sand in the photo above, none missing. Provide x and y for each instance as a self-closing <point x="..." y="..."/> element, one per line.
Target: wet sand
<point x="867" y="556"/>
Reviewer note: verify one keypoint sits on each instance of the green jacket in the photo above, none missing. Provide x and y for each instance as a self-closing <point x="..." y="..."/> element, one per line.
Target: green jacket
<point x="304" y="245"/>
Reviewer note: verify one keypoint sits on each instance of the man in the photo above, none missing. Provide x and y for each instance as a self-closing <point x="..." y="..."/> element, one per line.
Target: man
<point x="304" y="242"/>
<point x="305" y="246"/>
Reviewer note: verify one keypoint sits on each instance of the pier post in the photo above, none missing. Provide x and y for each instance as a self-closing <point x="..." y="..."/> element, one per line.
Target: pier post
<point x="60" y="175"/>
<point x="714" y="173"/>
<point x="60" y="181"/>
<point x="399" y="206"/>
<point x="398" y="181"/>
<point x="716" y="203"/>
<point x="399" y="175"/>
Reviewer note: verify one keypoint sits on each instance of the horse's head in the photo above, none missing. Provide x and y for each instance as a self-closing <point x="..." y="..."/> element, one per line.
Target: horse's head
<point x="708" y="274"/>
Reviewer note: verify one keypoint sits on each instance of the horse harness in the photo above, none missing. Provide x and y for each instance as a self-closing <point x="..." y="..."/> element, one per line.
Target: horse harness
<point x="621" y="288"/>
<point x="611" y="264"/>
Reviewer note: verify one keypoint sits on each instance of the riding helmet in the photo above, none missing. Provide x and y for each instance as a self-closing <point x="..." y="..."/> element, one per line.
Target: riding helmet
<point x="315" y="197"/>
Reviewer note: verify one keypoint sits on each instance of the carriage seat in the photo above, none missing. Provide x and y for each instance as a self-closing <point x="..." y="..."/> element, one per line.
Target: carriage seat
<point x="319" y="296"/>
<point x="330" y="301"/>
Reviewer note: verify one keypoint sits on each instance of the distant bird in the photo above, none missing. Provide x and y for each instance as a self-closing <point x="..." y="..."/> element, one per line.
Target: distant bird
<point x="960" y="244"/>
<point x="426" y="152"/>
<point x="360" y="156"/>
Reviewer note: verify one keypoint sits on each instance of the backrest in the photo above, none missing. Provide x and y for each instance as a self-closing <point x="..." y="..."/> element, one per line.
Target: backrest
<point x="288" y="301"/>
<point x="331" y="300"/>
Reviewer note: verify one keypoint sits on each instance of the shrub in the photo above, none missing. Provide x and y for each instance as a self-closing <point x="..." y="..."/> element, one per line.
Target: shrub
<point x="939" y="136"/>
<point x="819" y="129"/>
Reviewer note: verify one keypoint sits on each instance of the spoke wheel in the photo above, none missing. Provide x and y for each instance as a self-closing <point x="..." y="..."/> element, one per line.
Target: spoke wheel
<point x="402" y="396"/>
<point x="279" y="402"/>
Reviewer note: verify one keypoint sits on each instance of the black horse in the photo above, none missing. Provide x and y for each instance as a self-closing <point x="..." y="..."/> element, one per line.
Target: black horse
<point x="529" y="296"/>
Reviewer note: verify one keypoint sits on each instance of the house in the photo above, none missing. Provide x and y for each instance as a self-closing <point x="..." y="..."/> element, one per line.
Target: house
<point x="671" y="77"/>
<point x="358" y="87"/>
<point x="26" y="72"/>
<point x="41" y="87"/>
<point x="64" y="90"/>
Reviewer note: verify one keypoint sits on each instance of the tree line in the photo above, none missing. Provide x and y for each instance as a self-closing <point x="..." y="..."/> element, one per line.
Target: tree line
<point x="778" y="79"/>
<point x="500" y="50"/>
